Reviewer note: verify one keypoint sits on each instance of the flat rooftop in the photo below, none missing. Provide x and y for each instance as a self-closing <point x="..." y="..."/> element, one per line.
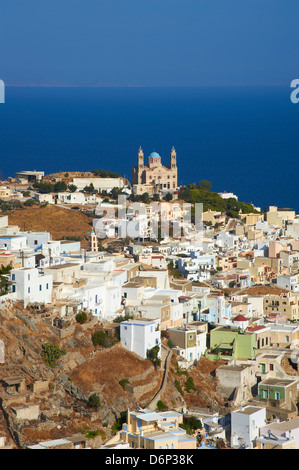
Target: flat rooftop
<point x="249" y="410"/>
<point x="62" y="266"/>
<point x="278" y="382"/>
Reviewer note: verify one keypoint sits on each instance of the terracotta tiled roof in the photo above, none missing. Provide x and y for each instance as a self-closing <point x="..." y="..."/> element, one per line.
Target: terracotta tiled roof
<point x="240" y="318"/>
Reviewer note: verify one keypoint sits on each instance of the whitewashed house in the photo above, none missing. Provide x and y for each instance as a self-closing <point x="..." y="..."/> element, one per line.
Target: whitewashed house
<point x="139" y="336"/>
<point x="245" y="425"/>
<point x="30" y="286"/>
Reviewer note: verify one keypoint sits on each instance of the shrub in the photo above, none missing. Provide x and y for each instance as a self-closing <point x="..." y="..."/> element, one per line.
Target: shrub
<point x="180" y="371"/>
<point x="161" y="406"/>
<point x="30" y="202"/>
<point x="170" y="344"/>
<point x="123" y="382"/>
<point x="94" y="400"/>
<point x="178" y="387"/>
<point x="190" y="424"/>
<point x="81" y="317"/>
<point x="121" y="318"/>
<point x="91" y="434"/>
<point x="51" y="353"/>
<point x="189" y="385"/>
<point x="117" y="425"/>
<point x="101" y="338"/>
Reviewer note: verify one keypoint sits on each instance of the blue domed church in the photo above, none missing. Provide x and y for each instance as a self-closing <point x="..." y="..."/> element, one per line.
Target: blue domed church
<point x="154" y="177"/>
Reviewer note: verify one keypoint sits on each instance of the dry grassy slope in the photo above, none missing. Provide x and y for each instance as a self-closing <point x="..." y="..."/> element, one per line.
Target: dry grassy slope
<point x="205" y="383"/>
<point x="107" y="368"/>
<point x="58" y="221"/>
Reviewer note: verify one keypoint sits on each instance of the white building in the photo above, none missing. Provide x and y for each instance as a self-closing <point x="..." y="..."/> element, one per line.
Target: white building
<point x="245" y="425"/>
<point x="140" y="335"/>
<point x="288" y="283"/>
<point x="36" y="239"/>
<point x="77" y="198"/>
<point x="30" y="286"/>
<point x="13" y="242"/>
<point x="226" y="195"/>
<point x="101" y="184"/>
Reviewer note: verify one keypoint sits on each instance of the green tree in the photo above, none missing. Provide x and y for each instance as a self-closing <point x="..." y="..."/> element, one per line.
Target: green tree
<point x="145" y="198"/>
<point x="4" y="285"/>
<point x="72" y="188"/>
<point x="115" y="192"/>
<point x="152" y="355"/>
<point x="89" y="189"/>
<point x="168" y="197"/>
<point x="5" y="269"/>
<point x="60" y="187"/>
<point x="205" y="185"/>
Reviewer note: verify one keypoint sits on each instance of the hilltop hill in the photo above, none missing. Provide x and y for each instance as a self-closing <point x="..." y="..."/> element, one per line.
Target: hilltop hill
<point x="60" y="222"/>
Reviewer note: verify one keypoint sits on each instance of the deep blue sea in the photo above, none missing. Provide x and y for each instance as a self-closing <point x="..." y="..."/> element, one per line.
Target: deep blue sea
<point x="242" y="139"/>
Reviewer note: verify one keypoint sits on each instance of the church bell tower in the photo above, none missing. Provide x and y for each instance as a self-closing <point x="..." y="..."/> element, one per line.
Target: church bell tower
<point x="173" y="159"/>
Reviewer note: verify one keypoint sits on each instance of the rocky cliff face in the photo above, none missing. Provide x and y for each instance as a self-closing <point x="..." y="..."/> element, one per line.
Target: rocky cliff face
<point x="118" y="377"/>
<point x="81" y="372"/>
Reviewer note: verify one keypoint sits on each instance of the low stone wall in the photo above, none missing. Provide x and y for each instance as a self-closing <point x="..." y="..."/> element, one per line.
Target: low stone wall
<point x="64" y="332"/>
<point x="140" y="390"/>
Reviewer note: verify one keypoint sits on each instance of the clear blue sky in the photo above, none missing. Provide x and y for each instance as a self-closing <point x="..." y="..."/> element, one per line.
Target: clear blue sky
<point x="149" y="42"/>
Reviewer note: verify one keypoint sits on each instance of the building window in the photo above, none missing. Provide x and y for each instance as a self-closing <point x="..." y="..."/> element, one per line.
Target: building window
<point x="13" y="277"/>
<point x="40" y="287"/>
<point x="276" y="395"/>
<point x="28" y="290"/>
<point x="47" y="286"/>
<point x="265" y="394"/>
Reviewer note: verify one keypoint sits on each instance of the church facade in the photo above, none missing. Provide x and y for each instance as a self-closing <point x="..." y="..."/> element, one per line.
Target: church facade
<point x="154" y="176"/>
